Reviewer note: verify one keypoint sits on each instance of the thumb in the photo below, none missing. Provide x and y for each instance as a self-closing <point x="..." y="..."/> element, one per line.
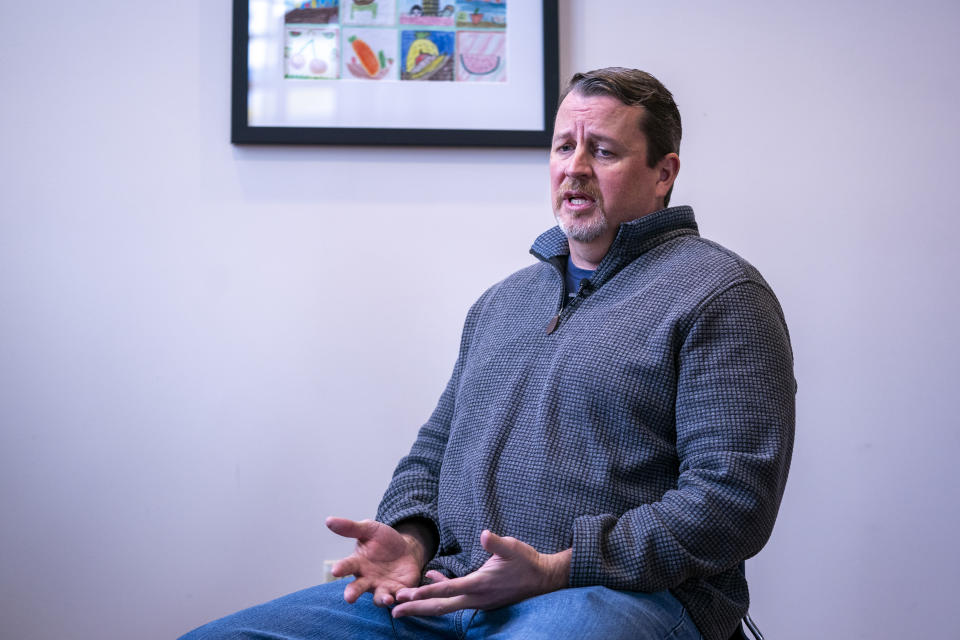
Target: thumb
<point x="504" y="547"/>
<point x="351" y="528"/>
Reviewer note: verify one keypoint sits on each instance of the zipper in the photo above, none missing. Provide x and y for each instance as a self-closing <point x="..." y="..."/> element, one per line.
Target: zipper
<point x="563" y="312"/>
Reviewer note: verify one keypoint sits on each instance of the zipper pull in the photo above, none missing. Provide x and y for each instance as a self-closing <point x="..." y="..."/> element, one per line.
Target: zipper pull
<point x="552" y="325"/>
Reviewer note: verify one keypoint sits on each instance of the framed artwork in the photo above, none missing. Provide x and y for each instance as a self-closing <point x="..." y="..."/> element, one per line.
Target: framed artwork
<point x="395" y="72"/>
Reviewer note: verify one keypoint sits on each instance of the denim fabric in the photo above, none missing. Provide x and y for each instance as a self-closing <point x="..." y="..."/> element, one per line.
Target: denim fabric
<point x="586" y="612"/>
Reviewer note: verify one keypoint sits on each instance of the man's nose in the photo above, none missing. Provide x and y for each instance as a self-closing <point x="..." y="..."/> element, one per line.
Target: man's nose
<point x="578" y="165"/>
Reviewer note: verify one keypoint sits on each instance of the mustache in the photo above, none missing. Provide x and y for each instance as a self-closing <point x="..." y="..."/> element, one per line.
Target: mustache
<point x="586" y="188"/>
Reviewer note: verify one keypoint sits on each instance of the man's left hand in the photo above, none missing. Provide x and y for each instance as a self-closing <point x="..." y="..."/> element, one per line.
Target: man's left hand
<point x="516" y="571"/>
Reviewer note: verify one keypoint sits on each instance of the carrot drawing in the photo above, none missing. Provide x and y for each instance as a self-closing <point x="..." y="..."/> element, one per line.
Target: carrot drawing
<point x="367" y="58"/>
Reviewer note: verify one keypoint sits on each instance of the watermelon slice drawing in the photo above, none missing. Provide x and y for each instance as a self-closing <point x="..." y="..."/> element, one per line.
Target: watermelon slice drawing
<point x="479" y="64"/>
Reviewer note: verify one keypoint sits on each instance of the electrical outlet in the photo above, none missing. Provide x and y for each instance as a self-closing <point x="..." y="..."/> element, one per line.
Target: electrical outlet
<point x="328" y="571"/>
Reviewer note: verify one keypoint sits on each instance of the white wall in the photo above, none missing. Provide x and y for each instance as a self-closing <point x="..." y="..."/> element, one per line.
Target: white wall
<point x="204" y="349"/>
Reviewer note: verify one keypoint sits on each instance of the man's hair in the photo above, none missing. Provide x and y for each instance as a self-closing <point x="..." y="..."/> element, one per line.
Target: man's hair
<point x="660" y="122"/>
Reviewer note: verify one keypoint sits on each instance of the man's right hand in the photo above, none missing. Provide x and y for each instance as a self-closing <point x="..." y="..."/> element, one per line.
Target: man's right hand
<point x="384" y="560"/>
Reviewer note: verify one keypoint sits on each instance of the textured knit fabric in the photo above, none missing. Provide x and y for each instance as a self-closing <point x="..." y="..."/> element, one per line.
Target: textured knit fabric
<point x="651" y="430"/>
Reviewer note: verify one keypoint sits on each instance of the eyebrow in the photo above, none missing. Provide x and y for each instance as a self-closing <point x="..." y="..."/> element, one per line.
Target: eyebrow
<point x="593" y="137"/>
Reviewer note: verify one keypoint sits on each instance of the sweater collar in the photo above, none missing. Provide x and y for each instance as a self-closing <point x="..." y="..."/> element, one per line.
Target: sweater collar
<point x="632" y="240"/>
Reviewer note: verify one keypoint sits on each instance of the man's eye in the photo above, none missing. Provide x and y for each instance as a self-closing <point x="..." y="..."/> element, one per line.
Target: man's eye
<point x="564" y="147"/>
<point x="603" y="153"/>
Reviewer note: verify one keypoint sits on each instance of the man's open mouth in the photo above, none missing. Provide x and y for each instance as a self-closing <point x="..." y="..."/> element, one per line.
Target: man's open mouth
<point x="577" y="198"/>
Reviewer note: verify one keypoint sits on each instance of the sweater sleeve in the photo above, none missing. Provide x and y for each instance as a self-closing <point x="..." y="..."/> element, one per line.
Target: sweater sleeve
<point x="734" y="438"/>
<point x="412" y="493"/>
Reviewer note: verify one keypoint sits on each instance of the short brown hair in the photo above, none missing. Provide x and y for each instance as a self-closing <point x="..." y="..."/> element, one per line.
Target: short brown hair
<point x="661" y="118"/>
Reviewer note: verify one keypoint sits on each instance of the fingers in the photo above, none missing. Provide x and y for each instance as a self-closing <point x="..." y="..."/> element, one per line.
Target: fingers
<point x="406" y="594"/>
<point x="356" y="589"/>
<point x="446" y="588"/>
<point x="345" y="567"/>
<point x="351" y="528"/>
<point x="435" y="576"/>
<point x="432" y="607"/>
<point x="504" y="547"/>
<point x="383" y="596"/>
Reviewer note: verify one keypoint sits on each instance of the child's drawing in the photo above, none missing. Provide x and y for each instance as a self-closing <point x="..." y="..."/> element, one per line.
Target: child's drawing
<point x="426" y="55"/>
<point x="312" y="11"/>
<point x="311" y="52"/>
<point x="370" y="54"/>
<point x="369" y="12"/>
<point x="482" y="14"/>
<point x="481" y="56"/>
<point x="433" y="13"/>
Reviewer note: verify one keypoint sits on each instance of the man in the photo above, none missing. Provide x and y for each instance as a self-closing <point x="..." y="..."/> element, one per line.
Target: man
<point x="616" y="435"/>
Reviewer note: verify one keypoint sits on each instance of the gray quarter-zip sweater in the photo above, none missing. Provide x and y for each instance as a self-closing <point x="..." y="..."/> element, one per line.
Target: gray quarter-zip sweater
<point x="648" y="423"/>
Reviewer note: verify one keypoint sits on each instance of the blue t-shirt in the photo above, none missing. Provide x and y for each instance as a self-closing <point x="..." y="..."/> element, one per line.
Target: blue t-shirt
<point x="573" y="277"/>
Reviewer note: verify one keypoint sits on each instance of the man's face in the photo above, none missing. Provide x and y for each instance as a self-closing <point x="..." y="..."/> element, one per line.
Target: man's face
<point x="598" y="168"/>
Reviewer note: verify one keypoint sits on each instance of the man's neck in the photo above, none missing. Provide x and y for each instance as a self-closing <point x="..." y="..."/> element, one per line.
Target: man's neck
<point x="588" y="255"/>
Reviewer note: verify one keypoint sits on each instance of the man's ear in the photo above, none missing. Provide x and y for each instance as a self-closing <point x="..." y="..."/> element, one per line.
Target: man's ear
<point x="667" y="169"/>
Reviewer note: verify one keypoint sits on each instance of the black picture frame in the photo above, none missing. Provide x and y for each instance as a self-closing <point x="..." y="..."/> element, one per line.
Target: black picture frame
<point x="243" y="133"/>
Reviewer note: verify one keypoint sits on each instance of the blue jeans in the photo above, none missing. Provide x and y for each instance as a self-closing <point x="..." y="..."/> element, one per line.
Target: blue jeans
<point x="586" y="612"/>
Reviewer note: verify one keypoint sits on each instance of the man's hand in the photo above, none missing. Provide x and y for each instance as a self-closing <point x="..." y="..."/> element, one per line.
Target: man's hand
<point x="383" y="561"/>
<point x="516" y="571"/>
